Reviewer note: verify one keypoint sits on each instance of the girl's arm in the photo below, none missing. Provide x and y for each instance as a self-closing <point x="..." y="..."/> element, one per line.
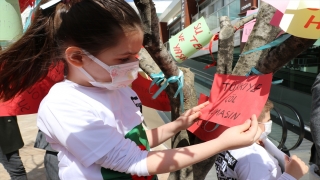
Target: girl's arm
<point x="174" y="159"/>
<point x="158" y="135"/>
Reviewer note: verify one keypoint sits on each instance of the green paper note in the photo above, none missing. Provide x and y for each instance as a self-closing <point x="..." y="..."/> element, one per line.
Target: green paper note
<point x="10" y="20"/>
<point x="190" y="40"/>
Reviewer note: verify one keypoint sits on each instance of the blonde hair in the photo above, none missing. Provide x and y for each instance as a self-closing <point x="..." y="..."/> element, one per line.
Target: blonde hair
<point x="267" y="108"/>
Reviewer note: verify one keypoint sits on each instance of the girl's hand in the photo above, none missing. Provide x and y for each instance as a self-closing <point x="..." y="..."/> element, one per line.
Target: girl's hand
<point x="241" y="135"/>
<point x="295" y="166"/>
<point x="190" y="116"/>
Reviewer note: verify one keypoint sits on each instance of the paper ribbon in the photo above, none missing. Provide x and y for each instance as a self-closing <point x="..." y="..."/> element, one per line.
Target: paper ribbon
<point x="215" y="38"/>
<point x="214" y="62"/>
<point x="254" y="71"/>
<point x="257" y="72"/>
<point x="276" y="42"/>
<point x="158" y="78"/>
<point x="277" y="81"/>
<point x="204" y="127"/>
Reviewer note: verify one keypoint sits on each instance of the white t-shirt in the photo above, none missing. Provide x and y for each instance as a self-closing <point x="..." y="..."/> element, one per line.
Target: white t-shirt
<point x="249" y="163"/>
<point x="97" y="132"/>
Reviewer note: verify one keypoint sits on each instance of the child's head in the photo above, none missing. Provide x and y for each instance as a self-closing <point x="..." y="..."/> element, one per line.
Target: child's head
<point x="110" y="30"/>
<point x="265" y="113"/>
<point x="264" y="119"/>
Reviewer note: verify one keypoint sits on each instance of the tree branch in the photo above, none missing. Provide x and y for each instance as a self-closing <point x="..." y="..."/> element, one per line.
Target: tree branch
<point x="146" y="63"/>
<point x="283" y="53"/>
<point x="152" y="42"/>
<point x="167" y="64"/>
<point x="225" y="46"/>
<point x="261" y="34"/>
<point x="245" y="20"/>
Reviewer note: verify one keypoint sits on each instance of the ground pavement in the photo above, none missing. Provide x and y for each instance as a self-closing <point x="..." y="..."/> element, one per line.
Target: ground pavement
<point x="33" y="158"/>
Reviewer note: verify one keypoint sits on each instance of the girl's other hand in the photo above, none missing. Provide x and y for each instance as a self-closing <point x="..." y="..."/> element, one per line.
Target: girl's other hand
<point x="240" y="136"/>
<point x="190" y="116"/>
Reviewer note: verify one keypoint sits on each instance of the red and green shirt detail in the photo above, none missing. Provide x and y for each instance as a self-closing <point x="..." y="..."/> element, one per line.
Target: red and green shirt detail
<point x="138" y="135"/>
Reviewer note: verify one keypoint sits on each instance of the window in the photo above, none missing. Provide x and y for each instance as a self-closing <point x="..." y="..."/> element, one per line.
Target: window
<point x="234" y="10"/>
<point x="218" y="5"/>
<point x="211" y="9"/>
<point x="203" y="14"/>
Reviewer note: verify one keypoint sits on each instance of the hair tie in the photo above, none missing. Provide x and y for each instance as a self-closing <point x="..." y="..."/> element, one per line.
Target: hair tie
<point x="65" y="1"/>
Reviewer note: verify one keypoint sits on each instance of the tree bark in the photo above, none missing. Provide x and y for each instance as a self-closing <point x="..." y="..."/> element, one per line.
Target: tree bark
<point x="261" y="34"/>
<point x="147" y="64"/>
<point x="225" y="46"/>
<point x="167" y="65"/>
<point x="152" y="42"/>
<point x="283" y="53"/>
<point x="157" y="50"/>
<point x="245" y="20"/>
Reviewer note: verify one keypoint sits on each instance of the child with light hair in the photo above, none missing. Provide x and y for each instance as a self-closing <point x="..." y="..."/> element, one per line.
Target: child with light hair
<point x="255" y="162"/>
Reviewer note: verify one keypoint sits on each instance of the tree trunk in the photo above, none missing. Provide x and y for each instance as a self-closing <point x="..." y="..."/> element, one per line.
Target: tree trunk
<point x="167" y="65"/>
<point x="147" y="64"/>
<point x="261" y="34"/>
<point x="157" y="51"/>
<point x="225" y="46"/>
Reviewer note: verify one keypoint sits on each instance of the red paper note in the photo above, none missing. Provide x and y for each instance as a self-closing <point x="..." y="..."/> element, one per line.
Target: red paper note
<point x="141" y="87"/>
<point x="276" y="19"/>
<point x="206" y="130"/>
<point x="28" y="102"/>
<point x="233" y="99"/>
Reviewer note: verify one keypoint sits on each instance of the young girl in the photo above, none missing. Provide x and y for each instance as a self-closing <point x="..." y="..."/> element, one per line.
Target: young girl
<point x="92" y="117"/>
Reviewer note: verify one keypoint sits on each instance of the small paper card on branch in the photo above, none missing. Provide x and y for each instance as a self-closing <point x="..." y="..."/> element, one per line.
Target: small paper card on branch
<point x="248" y="27"/>
<point x="276" y="19"/>
<point x="141" y="87"/>
<point x="190" y="40"/>
<point x="233" y="99"/>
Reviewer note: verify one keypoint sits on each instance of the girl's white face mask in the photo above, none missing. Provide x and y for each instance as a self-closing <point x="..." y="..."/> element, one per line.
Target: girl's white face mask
<point x="267" y="130"/>
<point x="122" y="74"/>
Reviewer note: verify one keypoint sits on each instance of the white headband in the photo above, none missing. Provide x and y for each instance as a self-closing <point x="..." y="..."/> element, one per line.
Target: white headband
<point x="48" y="4"/>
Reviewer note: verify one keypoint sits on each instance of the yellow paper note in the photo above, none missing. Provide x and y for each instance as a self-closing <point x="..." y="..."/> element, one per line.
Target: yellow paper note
<point x="302" y="19"/>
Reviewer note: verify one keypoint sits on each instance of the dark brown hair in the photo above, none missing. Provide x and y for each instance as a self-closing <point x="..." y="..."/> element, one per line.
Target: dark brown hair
<point x="267" y="108"/>
<point x="92" y="25"/>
